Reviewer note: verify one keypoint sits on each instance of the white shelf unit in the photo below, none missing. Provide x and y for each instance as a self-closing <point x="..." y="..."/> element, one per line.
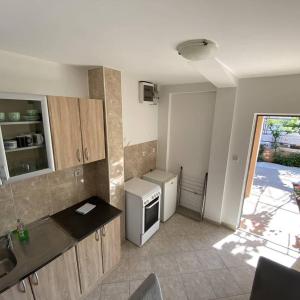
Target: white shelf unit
<point x="5" y="175"/>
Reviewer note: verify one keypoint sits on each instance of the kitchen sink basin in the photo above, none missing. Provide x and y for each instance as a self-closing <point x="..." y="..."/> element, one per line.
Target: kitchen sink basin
<point x="7" y="261"/>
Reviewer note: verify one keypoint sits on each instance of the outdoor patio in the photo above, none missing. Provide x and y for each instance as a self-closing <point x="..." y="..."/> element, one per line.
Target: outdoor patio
<point x="271" y="210"/>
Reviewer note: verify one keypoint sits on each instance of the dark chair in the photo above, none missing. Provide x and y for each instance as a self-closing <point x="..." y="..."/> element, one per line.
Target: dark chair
<point x="148" y="290"/>
<point x="273" y="281"/>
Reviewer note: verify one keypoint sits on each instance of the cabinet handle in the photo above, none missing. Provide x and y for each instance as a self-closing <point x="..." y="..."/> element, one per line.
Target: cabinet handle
<point x="22" y="286"/>
<point x="78" y="154"/>
<point x="103" y="229"/>
<point x="97" y="236"/>
<point x="86" y="153"/>
<point x="35" y="278"/>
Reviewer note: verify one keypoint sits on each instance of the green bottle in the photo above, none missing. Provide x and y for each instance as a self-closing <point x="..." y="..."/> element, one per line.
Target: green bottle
<point x="22" y="231"/>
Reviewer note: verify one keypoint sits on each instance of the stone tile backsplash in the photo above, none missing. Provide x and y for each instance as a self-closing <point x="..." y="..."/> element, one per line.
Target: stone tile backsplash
<point x="139" y="159"/>
<point x="44" y="195"/>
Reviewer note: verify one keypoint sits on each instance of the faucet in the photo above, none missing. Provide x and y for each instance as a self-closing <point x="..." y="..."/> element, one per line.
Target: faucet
<point x="9" y="241"/>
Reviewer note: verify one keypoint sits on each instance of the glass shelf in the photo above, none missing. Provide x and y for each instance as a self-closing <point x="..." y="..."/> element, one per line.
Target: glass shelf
<point x="24" y="148"/>
<point x="20" y="123"/>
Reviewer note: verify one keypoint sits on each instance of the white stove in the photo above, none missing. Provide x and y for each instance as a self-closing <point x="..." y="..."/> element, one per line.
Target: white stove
<point x="142" y="210"/>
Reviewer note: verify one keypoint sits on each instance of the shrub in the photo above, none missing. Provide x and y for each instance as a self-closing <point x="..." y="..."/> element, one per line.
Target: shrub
<point x="260" y="156"/>
<point x="290" y="160"/>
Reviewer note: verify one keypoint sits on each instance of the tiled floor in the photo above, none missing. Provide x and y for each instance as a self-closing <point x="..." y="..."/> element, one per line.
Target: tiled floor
<point x="193" y="261"/>
<point x="271" y="211"/>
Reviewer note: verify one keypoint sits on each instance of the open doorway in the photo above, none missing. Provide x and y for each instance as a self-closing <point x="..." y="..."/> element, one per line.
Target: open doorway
<point x="272" y="194"/>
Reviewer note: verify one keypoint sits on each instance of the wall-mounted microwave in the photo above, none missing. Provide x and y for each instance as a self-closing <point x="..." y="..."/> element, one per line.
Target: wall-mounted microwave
<point x="148" y="92"/>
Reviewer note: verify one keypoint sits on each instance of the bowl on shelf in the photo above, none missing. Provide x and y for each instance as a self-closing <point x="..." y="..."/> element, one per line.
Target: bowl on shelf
<point x="32" y="112"/>
<point x="14" y="116"/>
<point x="2" y="116"/>
<point x="31" y="118"/>
<point x="10" y="144"/>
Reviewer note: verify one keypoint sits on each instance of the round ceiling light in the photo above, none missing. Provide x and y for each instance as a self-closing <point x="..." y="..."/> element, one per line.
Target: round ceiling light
<point x="197" y="49"/>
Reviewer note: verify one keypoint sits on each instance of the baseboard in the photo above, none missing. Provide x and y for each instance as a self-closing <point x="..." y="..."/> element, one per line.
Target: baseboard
<point x="212" y="221"/>
<point x="189" y="213"/>
<point x="229" y="226"/>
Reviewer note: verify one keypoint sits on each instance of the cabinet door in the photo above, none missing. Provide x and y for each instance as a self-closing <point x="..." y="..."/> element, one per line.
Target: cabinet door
<point x="89" y="261"/>
<point x="65" y="131"/>
<point x="111" y="244"/>
<point x="58" y="280"/>
<point x="92" y="126"/>
<point x="170" y="200"/>
<point x="20" y="291"/>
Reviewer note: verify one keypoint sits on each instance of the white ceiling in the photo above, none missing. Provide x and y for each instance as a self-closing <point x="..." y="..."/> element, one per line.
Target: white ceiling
<point x="256" y="37"/>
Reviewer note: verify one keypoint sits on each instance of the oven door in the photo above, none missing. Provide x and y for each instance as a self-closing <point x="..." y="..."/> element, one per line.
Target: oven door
<point x="151" y="213"/>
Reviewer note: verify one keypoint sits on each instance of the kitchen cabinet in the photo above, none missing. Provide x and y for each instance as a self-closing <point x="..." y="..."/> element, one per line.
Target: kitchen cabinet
<point x="92" y="129"/>
<point x="98" y="253"/>
<point x="75" y="272"/>
<point x="77" y="128"/>
<point x="57" y="280"/>
<point x="65" y="131"/>
<point x="25" y="138"/>
<point x="89" y="257"/>
<point x="20" y="291"/>
<point x="111" y="244"/>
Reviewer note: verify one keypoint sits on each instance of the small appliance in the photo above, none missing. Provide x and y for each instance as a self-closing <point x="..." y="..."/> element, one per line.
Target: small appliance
<point x="168" y="183"/>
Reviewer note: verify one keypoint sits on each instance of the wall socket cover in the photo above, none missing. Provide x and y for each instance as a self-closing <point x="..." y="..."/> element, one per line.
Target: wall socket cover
<point x="77" y="172"/>
<point x="235" y="157"/>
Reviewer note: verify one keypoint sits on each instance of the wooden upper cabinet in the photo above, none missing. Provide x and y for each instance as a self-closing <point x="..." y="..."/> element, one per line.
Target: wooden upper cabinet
<point x="111" y="244"/>
<point x="92" y="127"/>
<point x="65" y="131"/>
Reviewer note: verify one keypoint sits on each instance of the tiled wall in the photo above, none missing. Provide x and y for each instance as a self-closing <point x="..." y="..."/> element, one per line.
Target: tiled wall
<point x="105" y="83"/>
<point x="40" y="196"/>
<point x="139" y="159"/>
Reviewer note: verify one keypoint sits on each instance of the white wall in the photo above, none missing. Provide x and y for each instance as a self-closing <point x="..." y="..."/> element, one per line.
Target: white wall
<point x="224" y="108"/>
<point x="191" y="122"/>
<point x="165" y="94"/>
<point x="274" y="95"/>
<point x="139" y="119"/>
<point x="26" y="74"/>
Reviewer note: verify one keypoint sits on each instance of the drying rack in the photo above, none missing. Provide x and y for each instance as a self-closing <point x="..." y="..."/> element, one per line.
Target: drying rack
<point x="194" y="186"/>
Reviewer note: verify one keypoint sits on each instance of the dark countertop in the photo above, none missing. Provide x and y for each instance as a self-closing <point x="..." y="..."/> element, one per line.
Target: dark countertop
<point x="80" y="226"/>
<point x="52" y="236"/>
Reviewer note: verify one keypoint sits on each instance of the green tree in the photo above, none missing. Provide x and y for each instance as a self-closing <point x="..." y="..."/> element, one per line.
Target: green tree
<point x="279" y="128"/>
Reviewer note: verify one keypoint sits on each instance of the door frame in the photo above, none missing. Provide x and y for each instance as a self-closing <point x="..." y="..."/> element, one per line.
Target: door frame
<point x="251" y="144"/>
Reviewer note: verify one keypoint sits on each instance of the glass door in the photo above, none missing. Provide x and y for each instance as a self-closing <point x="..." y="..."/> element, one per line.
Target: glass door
<point x="25" y="142"/>
<point x="151" y="213"/>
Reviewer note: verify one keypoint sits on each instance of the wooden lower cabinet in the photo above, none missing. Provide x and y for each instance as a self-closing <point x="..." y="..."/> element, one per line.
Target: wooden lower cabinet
<point x="89" y="258"/>
<point x="111" y="244"/>
<point x="75" y="272"/>
<point x="57" y="280"/>
<point x="98" y="254"/>
<point x="20" y="291"/>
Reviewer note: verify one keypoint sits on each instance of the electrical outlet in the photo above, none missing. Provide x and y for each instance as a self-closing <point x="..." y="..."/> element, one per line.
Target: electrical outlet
<point x="235" y="157"/>
<point x="144" y="153"/>
<point x="77" y="172"/>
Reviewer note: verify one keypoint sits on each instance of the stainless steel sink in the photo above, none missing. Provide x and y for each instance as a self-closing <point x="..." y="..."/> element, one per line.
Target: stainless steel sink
<point x="7" y="258"/>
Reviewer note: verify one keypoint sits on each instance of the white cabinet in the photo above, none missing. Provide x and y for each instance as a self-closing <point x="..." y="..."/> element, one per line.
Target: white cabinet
<point x="25" y="139"/>
<point x="168" y="183"/>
